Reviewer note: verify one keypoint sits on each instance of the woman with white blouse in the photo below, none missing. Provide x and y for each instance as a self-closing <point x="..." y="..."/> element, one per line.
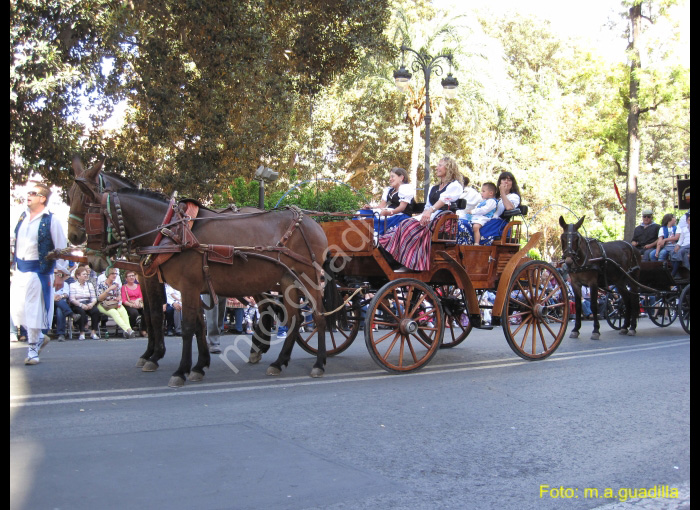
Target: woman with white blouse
<point x="409" y="243"/>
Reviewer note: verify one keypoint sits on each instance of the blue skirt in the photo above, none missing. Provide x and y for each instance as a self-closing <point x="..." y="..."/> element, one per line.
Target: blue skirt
<point x="489" y="232"/>
<point x="385" y="223"/>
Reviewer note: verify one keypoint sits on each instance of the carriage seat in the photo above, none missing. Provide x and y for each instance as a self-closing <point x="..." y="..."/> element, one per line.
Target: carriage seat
<point x="461" y="203"/>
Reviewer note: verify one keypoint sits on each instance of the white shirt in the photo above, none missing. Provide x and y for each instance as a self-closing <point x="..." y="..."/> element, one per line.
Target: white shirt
<point x="451" y="193"/>
<point x="514" y="199"/>
<point x="684" y="239"/>
<point x="27" y="244"/>
<point x="172" y="295"/>
<point x="472" y="197"/>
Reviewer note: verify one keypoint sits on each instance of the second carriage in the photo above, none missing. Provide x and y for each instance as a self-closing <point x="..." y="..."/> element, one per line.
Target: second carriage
<point x="408" y="316"/>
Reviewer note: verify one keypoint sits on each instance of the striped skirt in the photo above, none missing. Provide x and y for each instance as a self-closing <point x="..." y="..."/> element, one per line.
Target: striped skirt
<point x="409" y="243"/>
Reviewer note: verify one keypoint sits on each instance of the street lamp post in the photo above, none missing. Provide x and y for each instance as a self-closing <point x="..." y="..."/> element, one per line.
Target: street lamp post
<point x="263" y="174"/>
<point x="428" y="65"/>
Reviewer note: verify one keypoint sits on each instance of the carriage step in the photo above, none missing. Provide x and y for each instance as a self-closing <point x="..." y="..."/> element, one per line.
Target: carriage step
<point x="487" y="328"/>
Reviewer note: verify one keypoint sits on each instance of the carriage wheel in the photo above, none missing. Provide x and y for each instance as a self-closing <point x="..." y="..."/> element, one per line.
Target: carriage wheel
<point x="615" y="311"/>
<point x="664" y="310"/>
<point x="409" y="324"/>
<point x="536" y="311"/>
<point x="457" y="323"/>
<point x="336" y="341"/>
<point x="684" y="309"/>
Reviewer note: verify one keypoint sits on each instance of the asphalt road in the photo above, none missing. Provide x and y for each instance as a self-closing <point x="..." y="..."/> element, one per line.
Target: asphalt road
<point x="477" y="428"/>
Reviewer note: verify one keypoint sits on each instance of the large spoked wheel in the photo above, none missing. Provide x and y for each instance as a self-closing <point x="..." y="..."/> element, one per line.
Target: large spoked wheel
<point x="336" y="341"/>
<point x="615" y="311"/>
<point x="457" y="323"/>
<point x="536" y="311"/>
<point x="664" y="310"/>
<point x="684" y="309"/>
<point x="404" y="325"/>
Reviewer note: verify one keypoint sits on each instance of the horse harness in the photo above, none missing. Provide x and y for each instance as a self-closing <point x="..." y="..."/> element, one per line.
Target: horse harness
<point x="598" y="264"/>
<point x="175" y="235"/>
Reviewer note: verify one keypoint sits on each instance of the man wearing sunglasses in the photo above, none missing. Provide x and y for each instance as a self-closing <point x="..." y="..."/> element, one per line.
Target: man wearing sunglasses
<point x="32" y="289"/>
<point x="646" y="234"/>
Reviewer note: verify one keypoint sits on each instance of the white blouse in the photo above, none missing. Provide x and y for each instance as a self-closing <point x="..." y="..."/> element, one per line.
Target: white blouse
<point x="407" y="192"/>
<point x="514" y="199"/>
<point x="451" y="193"/>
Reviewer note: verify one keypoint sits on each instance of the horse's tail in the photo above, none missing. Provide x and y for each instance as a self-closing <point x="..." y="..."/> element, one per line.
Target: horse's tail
<point x="332" y="299"/>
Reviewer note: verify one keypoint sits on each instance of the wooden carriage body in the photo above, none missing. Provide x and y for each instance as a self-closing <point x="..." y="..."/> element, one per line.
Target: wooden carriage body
<point x="471" y="268"/>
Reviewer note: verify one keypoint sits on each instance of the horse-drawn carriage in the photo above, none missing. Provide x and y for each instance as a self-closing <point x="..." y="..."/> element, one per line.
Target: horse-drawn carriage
<point x="663" y="297"/>
<point x="408" y="316"/>
<point x="617" y="269"/>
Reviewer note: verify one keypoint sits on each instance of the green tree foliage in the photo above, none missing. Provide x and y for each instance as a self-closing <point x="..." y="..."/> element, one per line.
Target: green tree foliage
<point x="211" y="85"/>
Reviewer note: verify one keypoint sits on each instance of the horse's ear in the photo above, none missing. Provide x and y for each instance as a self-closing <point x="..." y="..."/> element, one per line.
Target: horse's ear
<point x="579" y="222"/>
<point x="77" y="166"/>
<point x="562" y="222"/>
<point x="87" y="189"/>
<point x="94" y="171"/>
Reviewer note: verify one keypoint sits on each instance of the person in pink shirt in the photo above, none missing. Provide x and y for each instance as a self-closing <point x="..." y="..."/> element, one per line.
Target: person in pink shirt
<point x="132" y="299"/>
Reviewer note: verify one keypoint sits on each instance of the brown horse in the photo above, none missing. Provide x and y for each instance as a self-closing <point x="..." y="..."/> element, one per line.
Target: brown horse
<point x="278" y="249"/>
<point x="595" y="264"/>
<point x="153" y="291"/>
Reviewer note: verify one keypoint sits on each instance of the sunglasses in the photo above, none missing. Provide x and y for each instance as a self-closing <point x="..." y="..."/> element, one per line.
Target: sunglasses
<point x="646" y="216"/>
<point x="34" y="194"/>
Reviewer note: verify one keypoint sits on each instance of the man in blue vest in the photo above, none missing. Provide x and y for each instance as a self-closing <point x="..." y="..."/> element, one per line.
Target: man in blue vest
<point x="31" y="291"/>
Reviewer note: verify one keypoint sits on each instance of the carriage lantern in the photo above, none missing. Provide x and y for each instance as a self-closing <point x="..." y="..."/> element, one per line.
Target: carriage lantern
<point x="263" y="174"/>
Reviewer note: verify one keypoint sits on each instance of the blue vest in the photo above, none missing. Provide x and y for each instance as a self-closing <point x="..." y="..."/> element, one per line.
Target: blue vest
<point x="45" y="242"/>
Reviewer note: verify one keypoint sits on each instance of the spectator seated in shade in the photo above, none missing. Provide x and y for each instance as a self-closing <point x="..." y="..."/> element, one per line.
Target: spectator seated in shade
<point x="109" y="298"/>
<point x="396" y="204"/>
<point x="82" y="297"/>
<point x="132" y="300"/>
<point x="62" y="309"/>
<point x="507" y="199"/>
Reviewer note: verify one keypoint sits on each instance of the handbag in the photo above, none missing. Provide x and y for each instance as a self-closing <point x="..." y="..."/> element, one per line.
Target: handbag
<point x="109" y="304"/>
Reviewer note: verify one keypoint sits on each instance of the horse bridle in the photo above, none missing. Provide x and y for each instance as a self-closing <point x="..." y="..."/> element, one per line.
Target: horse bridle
<point x="75" y="220"/>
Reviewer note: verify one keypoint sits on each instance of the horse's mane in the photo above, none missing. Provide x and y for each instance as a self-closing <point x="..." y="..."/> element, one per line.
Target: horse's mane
<point x="127" y="182"/>
<point x="146" y="193"/>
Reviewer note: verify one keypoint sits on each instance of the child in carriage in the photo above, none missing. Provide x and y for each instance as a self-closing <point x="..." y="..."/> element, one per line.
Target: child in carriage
<point x="484" y="211"/>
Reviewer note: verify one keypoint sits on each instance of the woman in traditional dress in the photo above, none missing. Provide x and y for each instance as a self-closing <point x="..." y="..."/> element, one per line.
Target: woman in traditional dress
<point x="508" y="197"/>
<point x="409" y="242"/>
<point x="397" y="202"/>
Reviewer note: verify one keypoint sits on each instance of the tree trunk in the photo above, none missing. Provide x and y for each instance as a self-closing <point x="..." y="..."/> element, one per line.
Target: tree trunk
<point x="633" y="143"/>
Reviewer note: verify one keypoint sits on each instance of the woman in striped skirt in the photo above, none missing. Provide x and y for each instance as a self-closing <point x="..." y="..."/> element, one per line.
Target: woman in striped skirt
<point x="409" y="242"/>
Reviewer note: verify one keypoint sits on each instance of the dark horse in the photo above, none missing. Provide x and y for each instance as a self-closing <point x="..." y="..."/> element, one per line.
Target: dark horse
<point x="153" y="291"/>
<point x="274" y="250"/>
<point x="603" y="265"/>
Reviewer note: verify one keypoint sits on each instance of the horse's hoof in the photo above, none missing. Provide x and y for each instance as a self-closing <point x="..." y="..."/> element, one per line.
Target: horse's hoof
<point x="255" y="357"/>
<point x="273" y="370"/>
<point x="623" y="332"/>
<point x="176" y="382"/>
<point x="141" y="362"/>
<point x="595" y="336"/>
<point x="574" y="334"/>
<point x="317" y="372"/>
<point x="632" y="332"/>
<point x="149" y="366"/>
<point x="195" y="376"/>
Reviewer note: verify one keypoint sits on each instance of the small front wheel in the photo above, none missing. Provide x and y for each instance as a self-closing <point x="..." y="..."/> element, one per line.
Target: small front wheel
<point x="536" y="310"/>
<point x="404" y="325"/>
